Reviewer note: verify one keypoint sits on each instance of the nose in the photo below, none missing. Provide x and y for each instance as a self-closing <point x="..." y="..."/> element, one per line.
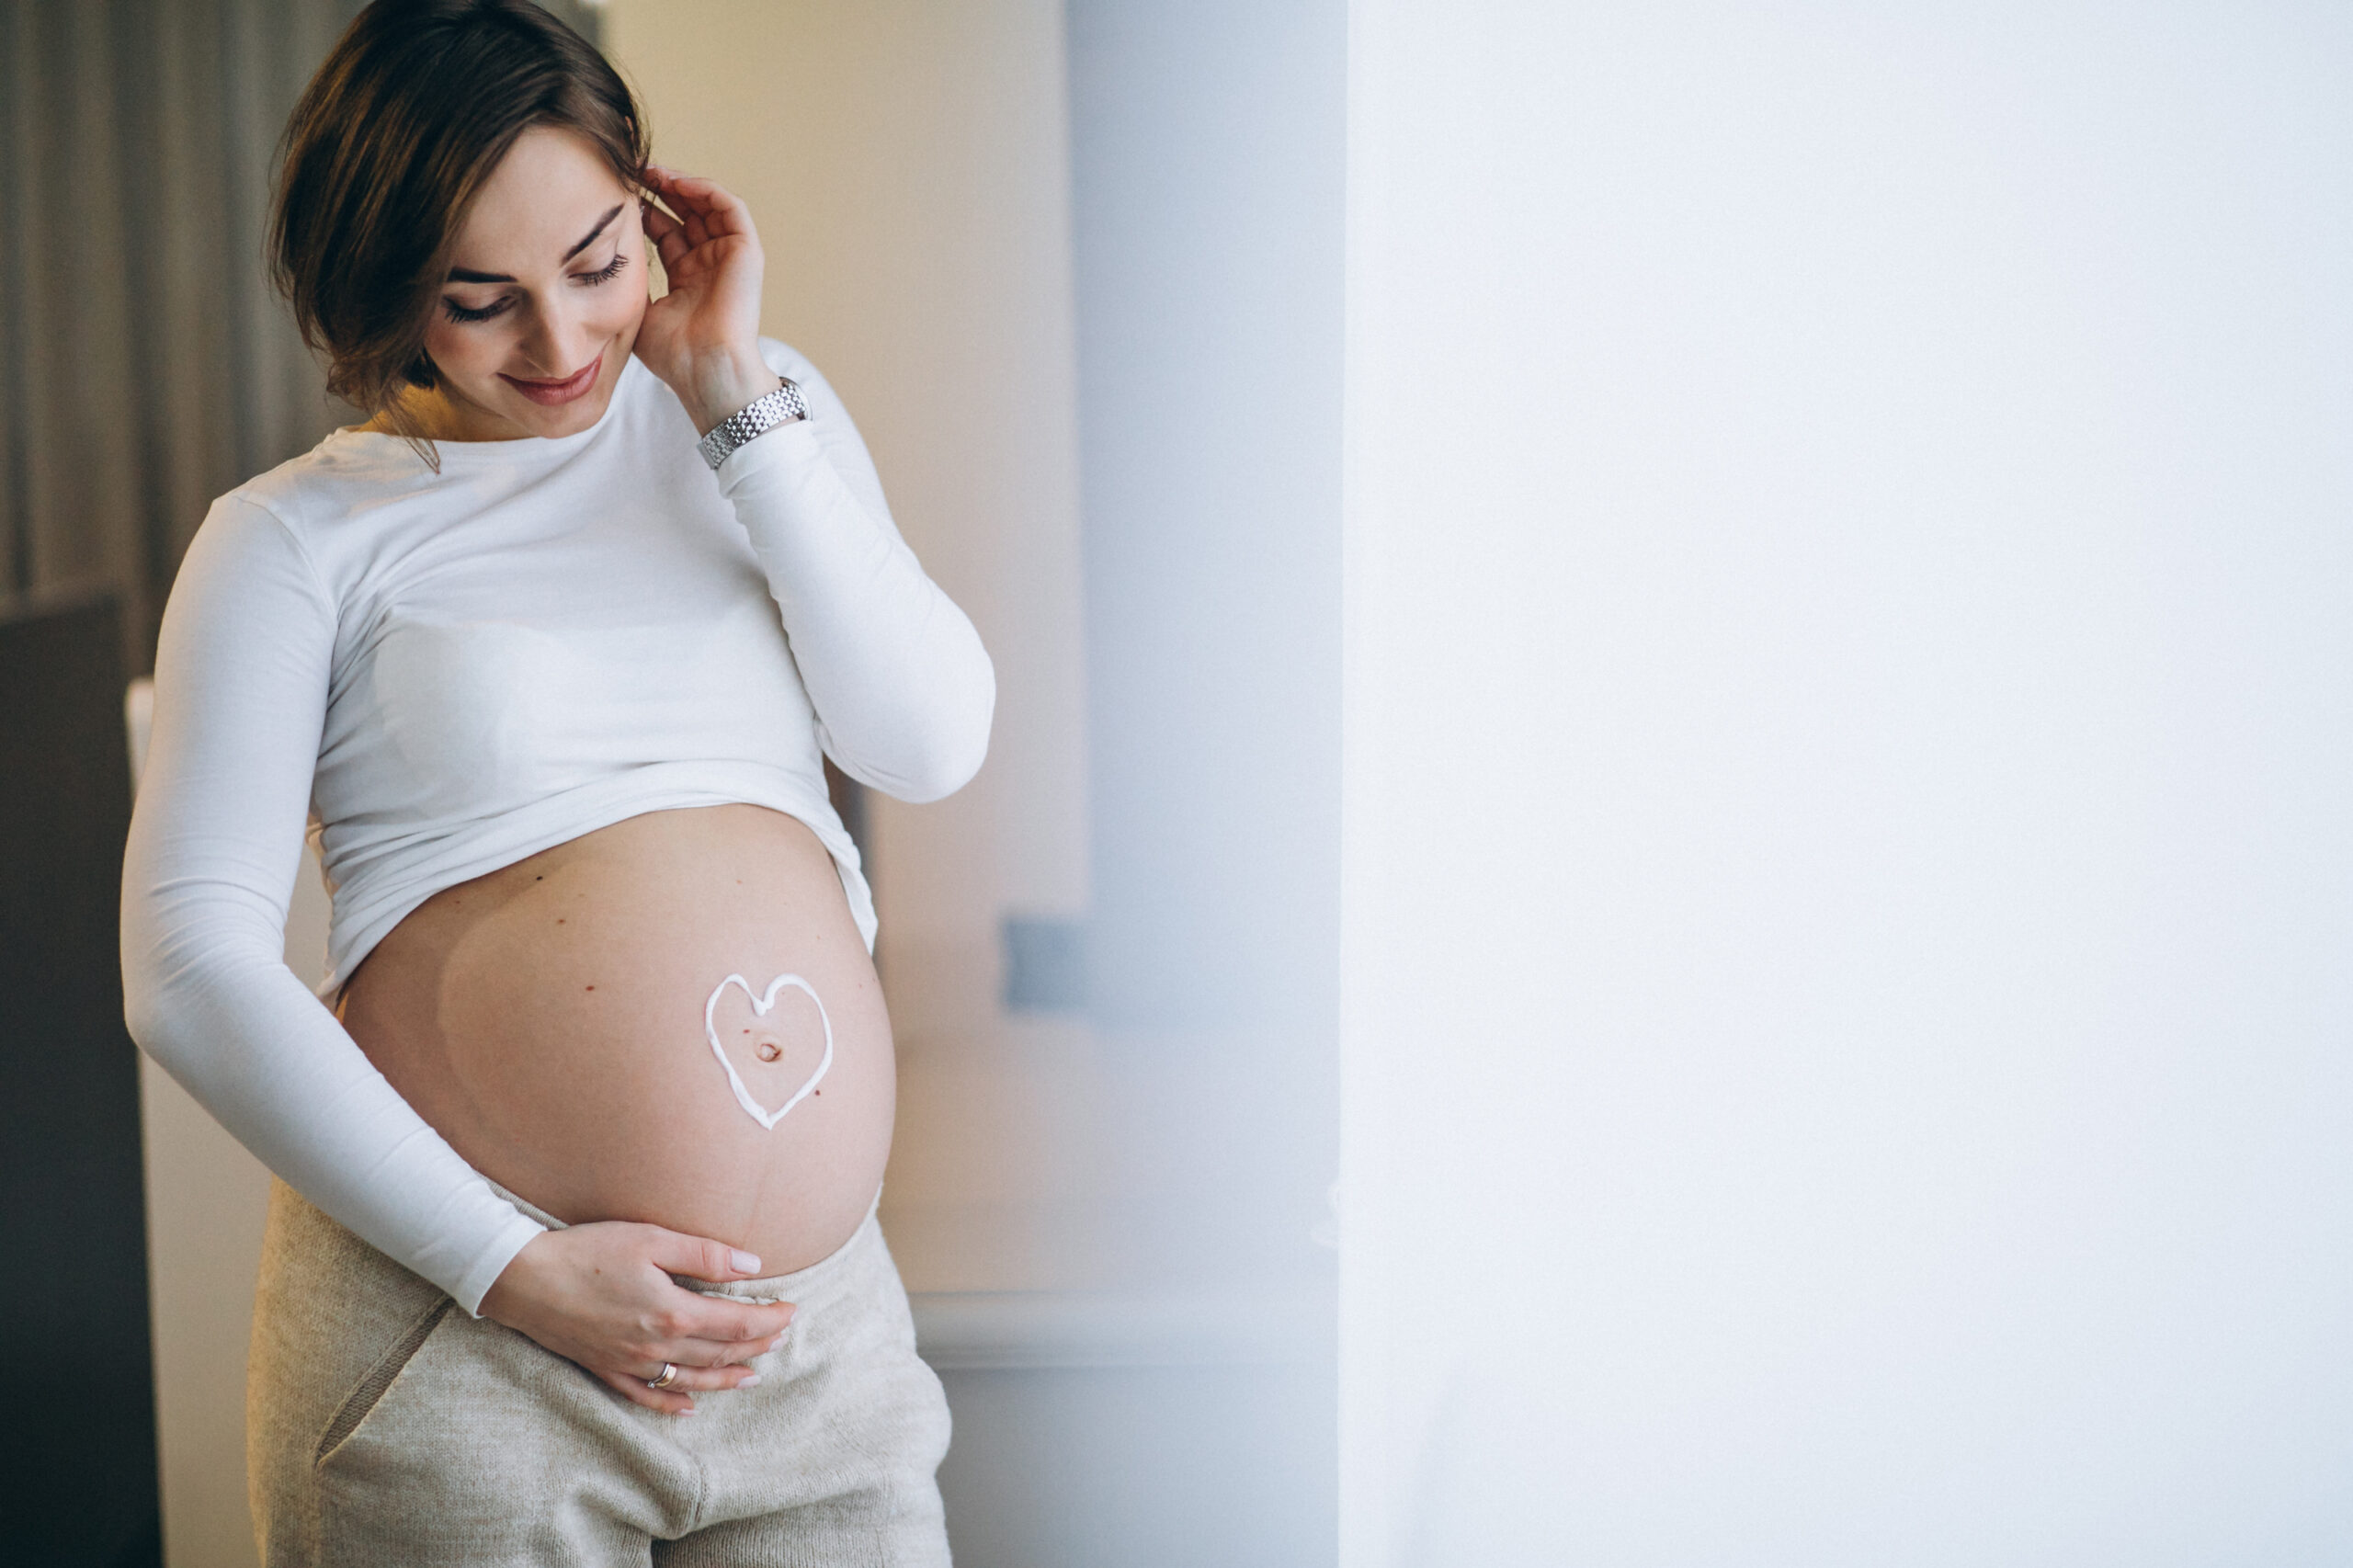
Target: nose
<point x="556" y="341"/>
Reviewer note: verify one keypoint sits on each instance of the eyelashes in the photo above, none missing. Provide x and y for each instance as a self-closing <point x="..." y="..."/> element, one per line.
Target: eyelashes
<point x="604" y="274"/>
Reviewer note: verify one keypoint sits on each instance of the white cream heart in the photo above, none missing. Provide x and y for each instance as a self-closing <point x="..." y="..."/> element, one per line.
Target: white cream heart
<point x="760" y="1005"/>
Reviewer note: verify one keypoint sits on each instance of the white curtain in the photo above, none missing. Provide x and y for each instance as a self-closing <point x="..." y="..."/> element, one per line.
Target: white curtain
<point x="1848" y="703"/>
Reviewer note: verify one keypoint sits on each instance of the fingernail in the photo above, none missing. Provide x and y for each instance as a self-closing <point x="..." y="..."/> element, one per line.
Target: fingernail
<point x="747" y="1382"/>
<point x="746" y="1263"/>
<point x="690" y="1410"/>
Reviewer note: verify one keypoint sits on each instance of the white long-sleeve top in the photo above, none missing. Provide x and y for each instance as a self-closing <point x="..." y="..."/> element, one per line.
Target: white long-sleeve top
<point x="443" y="673"/>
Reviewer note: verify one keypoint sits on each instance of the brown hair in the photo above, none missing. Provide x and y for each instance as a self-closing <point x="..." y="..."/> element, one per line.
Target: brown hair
<point x="403" y="124"/>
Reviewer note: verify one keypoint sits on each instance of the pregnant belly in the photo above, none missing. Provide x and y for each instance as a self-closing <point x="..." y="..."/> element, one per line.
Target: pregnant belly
<point x="604" y="1029"/>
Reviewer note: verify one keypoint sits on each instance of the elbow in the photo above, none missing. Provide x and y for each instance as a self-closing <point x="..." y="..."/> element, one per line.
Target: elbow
<point x="959" y="733"/>
<point x="947" y="766"/>
<point x="154" y="1011"/>
<point x="141" y="1017"/>
<point x="956" y="741"/>
<point x="147" y="1017"/>
<point x="943" y="775"/>
<point x="144" y="1016"/>
<point x="152" y="952"/>
<point x="179" y="971"/>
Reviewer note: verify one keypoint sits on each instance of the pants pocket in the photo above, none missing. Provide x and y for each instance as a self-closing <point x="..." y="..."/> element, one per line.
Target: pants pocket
<point x="363" y="1399"/>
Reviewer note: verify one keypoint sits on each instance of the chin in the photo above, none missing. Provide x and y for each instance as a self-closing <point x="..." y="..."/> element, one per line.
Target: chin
<point x="568" y="420"/>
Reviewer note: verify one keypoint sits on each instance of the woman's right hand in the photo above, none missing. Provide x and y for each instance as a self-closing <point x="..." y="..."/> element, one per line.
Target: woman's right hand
<point x="601" y="1295"/>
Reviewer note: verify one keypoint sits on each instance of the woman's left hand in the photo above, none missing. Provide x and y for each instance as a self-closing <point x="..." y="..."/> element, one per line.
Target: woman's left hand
<point x="702" y="337"/>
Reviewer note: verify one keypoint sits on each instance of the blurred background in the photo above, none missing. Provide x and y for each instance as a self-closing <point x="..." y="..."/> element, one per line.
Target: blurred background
<point x="1703" y="645"/>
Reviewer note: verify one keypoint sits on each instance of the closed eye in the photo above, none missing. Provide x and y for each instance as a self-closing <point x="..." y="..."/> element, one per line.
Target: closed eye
<point x="603" y="274"/>
<point x="459" y="313"/>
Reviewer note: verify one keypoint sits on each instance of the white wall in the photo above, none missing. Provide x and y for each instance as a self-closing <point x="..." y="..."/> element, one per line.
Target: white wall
<point x="1847" y="749"/>
<point x="1208" y="159"/>
<point x="1208" y="156"/>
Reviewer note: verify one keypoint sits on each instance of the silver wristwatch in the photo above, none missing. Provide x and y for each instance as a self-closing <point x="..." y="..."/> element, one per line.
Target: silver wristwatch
<point x="757" y="417"/>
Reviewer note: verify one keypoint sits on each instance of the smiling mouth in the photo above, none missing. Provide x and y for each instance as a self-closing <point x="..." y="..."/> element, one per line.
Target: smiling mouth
<point x="553" y="392"/>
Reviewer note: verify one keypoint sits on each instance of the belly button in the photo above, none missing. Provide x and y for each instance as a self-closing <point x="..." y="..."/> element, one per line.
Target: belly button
<point x="768" y="1050"/>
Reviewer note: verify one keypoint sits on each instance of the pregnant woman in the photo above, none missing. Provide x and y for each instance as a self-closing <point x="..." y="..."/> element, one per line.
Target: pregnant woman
<point x="584" y="1133"/>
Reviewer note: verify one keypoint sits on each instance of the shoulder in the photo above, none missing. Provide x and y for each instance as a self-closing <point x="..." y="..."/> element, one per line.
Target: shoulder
<point x="268" y="529"/>
<point x="245" y="544"/>
<point x="246" y="574"/>
<point x="342" y="473"/>
<point x="253" y="519"/>
<point x="284" y="492"/>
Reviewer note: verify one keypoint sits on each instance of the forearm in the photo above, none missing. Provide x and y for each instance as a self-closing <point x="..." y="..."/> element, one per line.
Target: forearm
<point x="902" y="686"/>
<point x="211" y="1000"/>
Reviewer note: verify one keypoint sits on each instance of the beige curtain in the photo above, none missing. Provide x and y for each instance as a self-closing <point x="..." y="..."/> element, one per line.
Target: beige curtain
<point x="145" y="365"/>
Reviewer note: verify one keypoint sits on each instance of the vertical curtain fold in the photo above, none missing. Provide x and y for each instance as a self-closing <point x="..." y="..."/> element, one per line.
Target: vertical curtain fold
<point x="145" y="364"/>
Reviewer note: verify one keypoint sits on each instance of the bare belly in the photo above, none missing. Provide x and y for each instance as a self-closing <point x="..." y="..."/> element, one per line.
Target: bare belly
<point x="549" y="1019"/>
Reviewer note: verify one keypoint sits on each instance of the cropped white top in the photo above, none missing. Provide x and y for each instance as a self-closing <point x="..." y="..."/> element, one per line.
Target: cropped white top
<point x="447" y="672"/>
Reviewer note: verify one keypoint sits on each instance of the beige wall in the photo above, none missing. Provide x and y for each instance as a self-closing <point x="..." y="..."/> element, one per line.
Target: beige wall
<point x="206" y="1200"/>
<point x="906" y="161"/>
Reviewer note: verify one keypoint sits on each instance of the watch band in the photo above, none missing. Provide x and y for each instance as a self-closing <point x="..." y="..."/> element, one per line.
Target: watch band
<point x="758" y="417"/>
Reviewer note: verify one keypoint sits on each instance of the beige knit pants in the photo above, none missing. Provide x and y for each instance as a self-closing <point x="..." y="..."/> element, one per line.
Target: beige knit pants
<point x="385" y="1425"/>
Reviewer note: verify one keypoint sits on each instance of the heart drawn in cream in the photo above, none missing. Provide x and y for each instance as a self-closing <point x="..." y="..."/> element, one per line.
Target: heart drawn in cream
<point x="760" y="1005"/>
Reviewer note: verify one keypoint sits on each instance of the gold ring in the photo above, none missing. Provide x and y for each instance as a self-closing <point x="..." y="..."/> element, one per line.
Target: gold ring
<point x="669" y="1375"/>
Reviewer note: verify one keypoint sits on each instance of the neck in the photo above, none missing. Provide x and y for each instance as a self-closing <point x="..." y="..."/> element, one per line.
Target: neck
<point x="431" y="412"/>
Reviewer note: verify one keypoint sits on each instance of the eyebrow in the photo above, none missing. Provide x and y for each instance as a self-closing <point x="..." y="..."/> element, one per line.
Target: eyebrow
<point x="466" y="275"/>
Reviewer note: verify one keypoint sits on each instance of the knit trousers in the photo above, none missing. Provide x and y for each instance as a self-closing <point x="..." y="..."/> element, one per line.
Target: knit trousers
<point x="385" y="1425"/>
